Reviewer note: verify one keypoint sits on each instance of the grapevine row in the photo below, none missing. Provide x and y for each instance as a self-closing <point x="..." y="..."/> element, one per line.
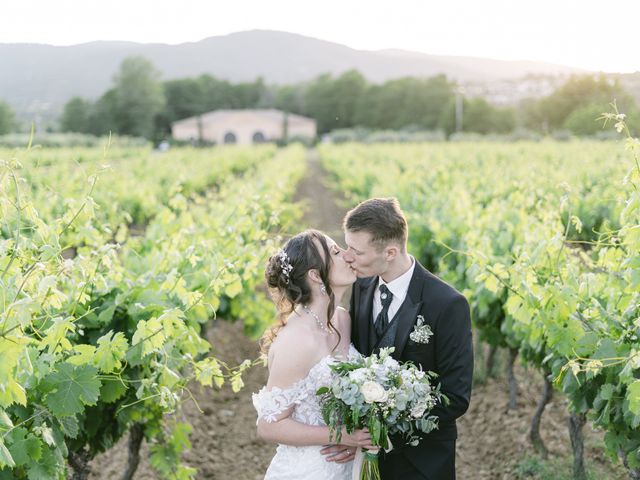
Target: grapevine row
<point x="543" y="240"/>
<point x="110" y="340"/>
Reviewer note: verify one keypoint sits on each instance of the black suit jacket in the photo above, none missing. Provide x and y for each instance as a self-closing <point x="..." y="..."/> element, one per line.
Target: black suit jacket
<point x="449" y="352"/>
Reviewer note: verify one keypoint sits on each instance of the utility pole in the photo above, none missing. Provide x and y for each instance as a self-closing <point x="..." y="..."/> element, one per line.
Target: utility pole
<point x="459" y="105"/>
<point x="200" y="135"/>
<point x="285" y="128"/>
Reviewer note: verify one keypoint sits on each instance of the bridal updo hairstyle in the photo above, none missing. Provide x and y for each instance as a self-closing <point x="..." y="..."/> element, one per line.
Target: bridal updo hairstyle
<point x="286" y="276"/>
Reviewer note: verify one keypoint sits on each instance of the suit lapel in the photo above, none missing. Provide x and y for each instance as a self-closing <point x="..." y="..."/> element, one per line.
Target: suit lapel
<point x="406" y="316"/>
<point x="365" y="309"/>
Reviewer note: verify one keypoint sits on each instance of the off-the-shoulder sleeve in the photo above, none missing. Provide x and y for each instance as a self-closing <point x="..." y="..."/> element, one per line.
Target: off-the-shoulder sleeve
<point x="270" y="403"/>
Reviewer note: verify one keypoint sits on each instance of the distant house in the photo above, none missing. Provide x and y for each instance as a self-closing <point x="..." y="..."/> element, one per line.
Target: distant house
<point x="244" y="127"/>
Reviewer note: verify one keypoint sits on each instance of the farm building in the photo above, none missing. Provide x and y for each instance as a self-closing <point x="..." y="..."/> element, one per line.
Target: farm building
<point x="244" y="127"/>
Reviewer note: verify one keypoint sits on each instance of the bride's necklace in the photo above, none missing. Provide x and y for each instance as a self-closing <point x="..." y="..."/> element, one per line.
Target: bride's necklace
<point x="321" y="325"/>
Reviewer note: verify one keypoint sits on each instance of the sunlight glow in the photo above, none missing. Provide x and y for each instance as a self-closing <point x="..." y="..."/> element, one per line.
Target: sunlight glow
<point x="589" y="34"/>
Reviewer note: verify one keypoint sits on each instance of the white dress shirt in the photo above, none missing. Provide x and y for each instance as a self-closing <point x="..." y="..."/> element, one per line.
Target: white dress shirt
<point x="398" y="287"/>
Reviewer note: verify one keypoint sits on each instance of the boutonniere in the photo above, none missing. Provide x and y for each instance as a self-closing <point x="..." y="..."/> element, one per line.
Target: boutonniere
<point x="421" y="331"/>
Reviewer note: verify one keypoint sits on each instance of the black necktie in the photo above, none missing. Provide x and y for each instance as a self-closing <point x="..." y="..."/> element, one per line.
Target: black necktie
<point x="382" y="320"/>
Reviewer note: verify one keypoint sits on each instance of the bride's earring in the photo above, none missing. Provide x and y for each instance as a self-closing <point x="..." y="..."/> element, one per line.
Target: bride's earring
<point x="323" y="290"/>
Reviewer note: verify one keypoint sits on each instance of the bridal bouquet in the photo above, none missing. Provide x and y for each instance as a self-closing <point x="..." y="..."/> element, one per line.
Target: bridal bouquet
<point x="383" y="395"/>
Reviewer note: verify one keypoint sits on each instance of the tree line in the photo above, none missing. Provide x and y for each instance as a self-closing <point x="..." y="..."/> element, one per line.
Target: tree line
<point x="139" y="103"/>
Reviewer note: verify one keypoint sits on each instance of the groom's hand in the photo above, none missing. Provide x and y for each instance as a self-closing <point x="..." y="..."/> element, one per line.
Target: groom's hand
<point x="339" y="453"/>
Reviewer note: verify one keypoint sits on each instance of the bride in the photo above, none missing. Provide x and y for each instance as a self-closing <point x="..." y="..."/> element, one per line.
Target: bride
<point x="307" y="279"/>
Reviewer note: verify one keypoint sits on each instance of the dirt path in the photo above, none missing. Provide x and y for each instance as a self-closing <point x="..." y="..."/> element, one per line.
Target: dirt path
<point x="224" y="443"/>
<point x="491" y="443"/>
<point x="321" y="206"/>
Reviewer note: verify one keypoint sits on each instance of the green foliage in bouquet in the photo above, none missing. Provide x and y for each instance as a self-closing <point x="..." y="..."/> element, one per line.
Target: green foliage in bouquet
<point x="383" y="395"/>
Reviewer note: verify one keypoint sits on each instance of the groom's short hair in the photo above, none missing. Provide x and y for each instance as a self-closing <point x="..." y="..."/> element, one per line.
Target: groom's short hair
<point x="382" y="218"/>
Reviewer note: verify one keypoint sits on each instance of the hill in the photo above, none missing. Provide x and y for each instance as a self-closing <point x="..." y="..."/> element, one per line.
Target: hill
<point x="41" y="78"/>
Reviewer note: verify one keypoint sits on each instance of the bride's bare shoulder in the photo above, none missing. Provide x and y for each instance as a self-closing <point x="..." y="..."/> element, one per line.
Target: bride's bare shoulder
<point x="293" y="339"/>
<point x="293" y="352"/>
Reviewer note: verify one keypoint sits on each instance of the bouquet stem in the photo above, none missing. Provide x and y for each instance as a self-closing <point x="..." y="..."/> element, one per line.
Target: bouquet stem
<point x="370" y="467"/>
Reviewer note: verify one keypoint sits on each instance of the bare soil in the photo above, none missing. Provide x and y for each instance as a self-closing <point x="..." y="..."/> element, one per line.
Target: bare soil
<point x="320" y="204"/>
<point x="491" y="444"/>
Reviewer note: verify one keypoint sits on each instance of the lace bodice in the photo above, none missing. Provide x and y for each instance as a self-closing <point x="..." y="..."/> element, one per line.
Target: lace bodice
<point x="301" y="395"/>
<point x="291" y="462"/>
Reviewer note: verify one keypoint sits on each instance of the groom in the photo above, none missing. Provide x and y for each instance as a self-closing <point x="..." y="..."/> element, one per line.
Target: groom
<point x="392" y="301"/>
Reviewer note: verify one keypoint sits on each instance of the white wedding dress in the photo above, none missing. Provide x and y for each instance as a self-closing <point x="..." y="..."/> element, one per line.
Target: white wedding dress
<point x="296" y="463"/>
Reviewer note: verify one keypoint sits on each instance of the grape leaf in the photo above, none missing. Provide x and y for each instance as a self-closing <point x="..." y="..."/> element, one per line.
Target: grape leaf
<point x="24" y="447"/>
<point x="233" y="288"/>
<point x="209" y="370"/>
<point x="236" y="382"/>
<point x="12" y="392"/>
<point x="106" y="315"/>
<point x="73" y="388"/>
<point x="70" y="426"/>
<point x="5" y="421"/>
<point x="85" y="354"/>
<point x="111" y="390"/>
<point x="149" y="334"/>
<point x="6" y="460"/>
<point x="46" y="468"/>
<point x="111" y="350"/>
<point x="633" y="395"/>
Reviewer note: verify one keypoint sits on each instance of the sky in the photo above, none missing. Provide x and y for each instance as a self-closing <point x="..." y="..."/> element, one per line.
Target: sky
<point x="591" y="34"/>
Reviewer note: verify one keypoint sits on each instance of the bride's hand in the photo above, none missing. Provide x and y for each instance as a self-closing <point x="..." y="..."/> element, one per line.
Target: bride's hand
<point x="359" y="438"/>
<point x="350" y="442"/>
<point x="339" y="453"/>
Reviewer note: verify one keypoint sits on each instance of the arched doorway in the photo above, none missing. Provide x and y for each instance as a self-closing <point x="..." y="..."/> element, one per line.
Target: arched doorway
<point x="230" y="137"/>
<point x="258" y="137"/>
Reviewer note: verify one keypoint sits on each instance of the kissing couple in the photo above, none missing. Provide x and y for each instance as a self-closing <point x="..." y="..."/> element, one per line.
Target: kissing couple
<point x="392" y="296"/>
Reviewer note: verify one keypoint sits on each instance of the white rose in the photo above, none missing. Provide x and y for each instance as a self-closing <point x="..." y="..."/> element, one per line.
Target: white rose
<point x="418" y="410"/>
<point x="373" y="392"/>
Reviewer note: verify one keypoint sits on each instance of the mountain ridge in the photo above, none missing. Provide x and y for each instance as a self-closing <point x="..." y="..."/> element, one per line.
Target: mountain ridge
<point x="39" y="77"/>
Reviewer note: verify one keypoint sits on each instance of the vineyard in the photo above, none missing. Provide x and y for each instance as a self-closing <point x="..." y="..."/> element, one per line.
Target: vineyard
<point x="116" y="262"/>
<point x="109" y="277"/>
<point x="545" y="243"/>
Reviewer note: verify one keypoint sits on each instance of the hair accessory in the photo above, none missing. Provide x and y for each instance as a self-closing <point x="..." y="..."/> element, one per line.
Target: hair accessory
<point x="285" y="264"/>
